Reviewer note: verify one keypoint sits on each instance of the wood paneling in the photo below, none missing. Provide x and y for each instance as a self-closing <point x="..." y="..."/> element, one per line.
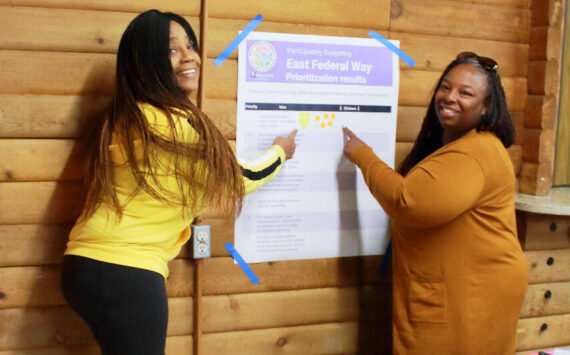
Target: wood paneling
<point x="532" y="352"/>
<point x="38" y="286"/>
<point x="562" y="168"/>
<point x="336" y="338"/>
<point x="332" y="12"/>
<point x="41" y="327"/>
<point x="53" y="237"/>
<point x="543" y="332"/>
<point x="27" y="239"/>
<point x="510" y="3"/>
<point x="461" y="19"/>
<point x="545" y="232"/>
<point x="222" y="276"/>
<point x="40" y="160"/>
<point x="518" y="121"/>
<point x="30" y="286"/>
<point x="536" y="76"/>
<point x="222" y="31"/>
<point x="63" y="116"/>
<point x="515" y="153"/>
<point x="83" y="349"/>
<point x="539" y="10"/>
<point x="64" y="30"/>
<point x="533" y="111"/>
<point x="274" y="309"/>
<point x="546" y="299"/>
<point x="434" y="53"/>
<point x="176" y="345"/>
<point x="531" y="144"/>
<point x="54" y="326"/>
<point x="61" y="29"/>
<point x="183" y="8"/>
<point x="527" y="177"/>
<point x="537" y="42"/>
<point x="47" y="116"/>
<point x="548" y="266"/>
<point x="56" y="73"/>
<point x="60" y="202"/>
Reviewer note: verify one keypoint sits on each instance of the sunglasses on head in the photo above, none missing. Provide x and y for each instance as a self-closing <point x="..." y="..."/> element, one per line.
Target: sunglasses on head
<point x="484" y="62"/>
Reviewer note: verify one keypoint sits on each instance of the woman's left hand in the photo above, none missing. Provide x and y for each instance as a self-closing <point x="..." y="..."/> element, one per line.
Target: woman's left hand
<point x="352" y="144"/>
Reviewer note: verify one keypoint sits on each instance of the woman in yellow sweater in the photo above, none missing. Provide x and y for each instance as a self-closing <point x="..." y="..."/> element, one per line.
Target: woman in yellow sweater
<point x="155" y="161"/>
<point x="459" y="272"/>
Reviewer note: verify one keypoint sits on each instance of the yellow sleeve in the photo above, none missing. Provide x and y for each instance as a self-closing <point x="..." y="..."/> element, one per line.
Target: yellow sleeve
<point x="160" y="124"/>
<point x="263" y="169"/>
<point x="434" y="192"/>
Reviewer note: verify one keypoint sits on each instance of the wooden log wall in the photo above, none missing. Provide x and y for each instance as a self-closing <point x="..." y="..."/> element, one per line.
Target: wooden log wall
<point x="541" y="110"/>
<point x="545" y="316"/>
<point x="561" y="167"/>
<point x="56" y="73"/>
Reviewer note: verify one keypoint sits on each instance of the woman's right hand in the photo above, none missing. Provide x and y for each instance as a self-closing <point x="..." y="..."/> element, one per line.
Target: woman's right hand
<point x="352" y="143"/>
<point x="287" y="143"/>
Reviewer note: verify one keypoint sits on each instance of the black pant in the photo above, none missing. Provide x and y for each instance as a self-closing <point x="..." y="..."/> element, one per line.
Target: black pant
<point x="125" y="307"/>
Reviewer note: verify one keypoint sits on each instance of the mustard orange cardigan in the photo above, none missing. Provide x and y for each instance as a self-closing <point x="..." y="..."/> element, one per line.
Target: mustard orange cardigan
<point x="459" y="274"/>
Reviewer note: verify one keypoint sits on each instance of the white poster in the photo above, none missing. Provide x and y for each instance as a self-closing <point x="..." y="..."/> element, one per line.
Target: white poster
<point x="318" y="206"/>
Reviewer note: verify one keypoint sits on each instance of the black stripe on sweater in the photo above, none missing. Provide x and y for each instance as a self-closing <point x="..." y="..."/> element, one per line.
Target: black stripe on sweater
<point x="262" y="174"/>
<point x="257" y="175"/>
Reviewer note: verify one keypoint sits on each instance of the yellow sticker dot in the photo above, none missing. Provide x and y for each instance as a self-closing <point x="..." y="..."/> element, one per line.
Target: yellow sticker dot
<point x="323" y="125"/>
<point x="306" y="120"/>
<point x="301" y="121"/>
<point x="301" y="114"/>
<point x="304" y="126"/>
<point x="318" y="118"/>
<point x="330" y="123"/>
<point x="333" y="116"/>
<point x="326" y="116"/>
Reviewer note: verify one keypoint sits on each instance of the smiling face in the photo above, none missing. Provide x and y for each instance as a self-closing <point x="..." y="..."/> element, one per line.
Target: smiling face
<point x="460" y="101"/>
<point x="184" y="58"/>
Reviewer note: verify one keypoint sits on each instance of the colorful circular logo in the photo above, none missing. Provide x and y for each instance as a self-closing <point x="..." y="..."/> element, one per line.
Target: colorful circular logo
<point x="262" y="56"/>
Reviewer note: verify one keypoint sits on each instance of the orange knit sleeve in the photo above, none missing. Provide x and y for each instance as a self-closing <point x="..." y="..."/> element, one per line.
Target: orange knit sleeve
<point x="434" y="192"/>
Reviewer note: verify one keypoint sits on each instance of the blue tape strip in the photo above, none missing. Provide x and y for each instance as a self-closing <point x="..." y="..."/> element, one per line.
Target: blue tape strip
<point x="406" y="58"/>
<point x="235" y="43"/>
<point x="387" y="257"/>
<point x="246" y="269"/>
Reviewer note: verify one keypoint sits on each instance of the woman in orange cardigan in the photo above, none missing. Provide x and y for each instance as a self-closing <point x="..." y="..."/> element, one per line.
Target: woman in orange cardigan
<point x="459" y="272"/>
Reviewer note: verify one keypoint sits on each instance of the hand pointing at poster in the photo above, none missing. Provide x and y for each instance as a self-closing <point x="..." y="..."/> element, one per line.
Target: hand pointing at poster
<point x="287" y="143"/>
<point x="352" y="143"/>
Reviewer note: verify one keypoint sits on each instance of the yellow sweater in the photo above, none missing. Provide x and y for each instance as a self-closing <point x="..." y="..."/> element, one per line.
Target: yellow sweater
<point x="459" y="272"/>
<point x="151" y="232"/>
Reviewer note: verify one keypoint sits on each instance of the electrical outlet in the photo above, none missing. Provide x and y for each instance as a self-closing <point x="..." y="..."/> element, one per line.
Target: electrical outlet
<point x="201" y="241"/>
